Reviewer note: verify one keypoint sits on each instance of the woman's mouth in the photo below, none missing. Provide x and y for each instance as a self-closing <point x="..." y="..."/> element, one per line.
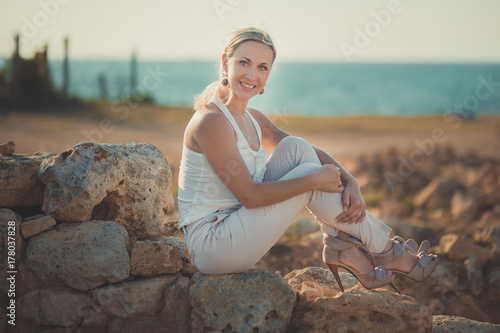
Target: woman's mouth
<point x="247" y="86"/>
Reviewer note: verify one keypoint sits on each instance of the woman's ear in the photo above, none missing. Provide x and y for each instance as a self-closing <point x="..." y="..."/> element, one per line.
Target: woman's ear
<point x="224" y="63"/>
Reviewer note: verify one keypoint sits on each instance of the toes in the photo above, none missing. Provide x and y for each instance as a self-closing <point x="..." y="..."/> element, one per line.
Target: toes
<point x="424" y="246"/>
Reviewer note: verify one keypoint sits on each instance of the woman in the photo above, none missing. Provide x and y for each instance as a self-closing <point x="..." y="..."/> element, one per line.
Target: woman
<point x="234" y="205"/>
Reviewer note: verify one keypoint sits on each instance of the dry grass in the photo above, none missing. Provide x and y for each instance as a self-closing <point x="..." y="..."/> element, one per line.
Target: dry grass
<point x="384" y="123"/>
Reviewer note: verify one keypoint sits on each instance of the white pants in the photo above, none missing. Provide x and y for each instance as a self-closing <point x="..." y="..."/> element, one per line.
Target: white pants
<point x="234" y="243"/>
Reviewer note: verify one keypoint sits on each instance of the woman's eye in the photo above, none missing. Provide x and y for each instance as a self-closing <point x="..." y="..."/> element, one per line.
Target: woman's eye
<point x="242" y="62"/>
<point x="264" y="68"/>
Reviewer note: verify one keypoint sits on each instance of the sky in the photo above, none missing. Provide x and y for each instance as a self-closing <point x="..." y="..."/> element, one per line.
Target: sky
<point x="316" y="30"/>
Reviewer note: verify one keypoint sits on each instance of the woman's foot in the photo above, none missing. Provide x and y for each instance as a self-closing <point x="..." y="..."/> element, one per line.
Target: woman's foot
<point x="354" y="257"/>
<point x="397" y="258"/>
<point x="403" y="264"/>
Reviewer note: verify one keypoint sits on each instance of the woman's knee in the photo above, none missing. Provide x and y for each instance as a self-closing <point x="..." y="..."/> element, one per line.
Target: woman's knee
<point x="296" y="146"/>
<point x="294" y="141"/>
<point x="301" y="170"/>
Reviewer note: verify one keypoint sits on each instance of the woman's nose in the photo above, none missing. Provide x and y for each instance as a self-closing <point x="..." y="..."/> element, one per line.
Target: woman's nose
<point x="250" y="73"/>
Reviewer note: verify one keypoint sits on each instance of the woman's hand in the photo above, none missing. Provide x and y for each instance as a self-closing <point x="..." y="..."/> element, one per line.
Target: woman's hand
<point x="329" y="179"/>
<point x="354" y="205"/>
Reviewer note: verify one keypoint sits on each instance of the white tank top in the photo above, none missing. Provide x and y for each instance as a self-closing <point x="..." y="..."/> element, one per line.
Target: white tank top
<point x="201" y="192"/>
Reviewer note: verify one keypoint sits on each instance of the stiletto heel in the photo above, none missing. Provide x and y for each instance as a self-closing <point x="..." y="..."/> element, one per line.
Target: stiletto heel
<point x="395" y="288"/>
<point x="374" y="279"/>
<point x="335" y="271"/>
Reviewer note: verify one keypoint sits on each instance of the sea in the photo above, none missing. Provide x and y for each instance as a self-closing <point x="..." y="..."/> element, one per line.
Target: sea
<point x="311" y="89"/>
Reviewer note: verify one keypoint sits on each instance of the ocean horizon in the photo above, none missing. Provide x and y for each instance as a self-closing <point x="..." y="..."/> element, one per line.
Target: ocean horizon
<point x="309" y="89"/>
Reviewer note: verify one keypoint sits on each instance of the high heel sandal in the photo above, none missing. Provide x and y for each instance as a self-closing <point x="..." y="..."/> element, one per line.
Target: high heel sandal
<point x="374" y="279"/>
<point x="422" y="269"/>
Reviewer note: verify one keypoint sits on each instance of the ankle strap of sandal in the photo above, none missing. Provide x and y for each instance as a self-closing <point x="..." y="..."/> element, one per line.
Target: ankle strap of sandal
<point x="333" y="245"/>
<point x="337" y="244"/>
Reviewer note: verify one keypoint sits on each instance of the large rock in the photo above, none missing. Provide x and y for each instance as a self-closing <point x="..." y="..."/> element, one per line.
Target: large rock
<point x="438" y="194"/>
<point x="135" y="325"/>
<point x="355" y="310"/>
<point x="313" y="282"/>
<point x="4" y="312"/>
<point x="253" y="301"/>
<point x="159" y="256"/>
<point x="96" y="319"/>
<point x="475" y="275"/>
<point x="10" y="245"/>
<point x="7" y="148"/>
<point x="33" y="227"/>
<point x="459" y="247"/>
<point x="175" y="313"/>
<point x="20" y="185"/>
<point x="493" y="291"/>
<point x="445" y="324"/>
<point x="54" y="306"/>
<point x="135" y="298"/>
<point x="491" y="236"/>
<point x="26" y="280"/>
<point x="171" y="228"/>
<point x="447" y="292"/>
<point x="84" y="255"/>
<point x="465" y="205"/>
<point x="130" y="184"/>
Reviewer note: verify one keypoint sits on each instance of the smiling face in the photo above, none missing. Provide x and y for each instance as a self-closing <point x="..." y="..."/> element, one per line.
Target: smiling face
<point x="248" y="68"/>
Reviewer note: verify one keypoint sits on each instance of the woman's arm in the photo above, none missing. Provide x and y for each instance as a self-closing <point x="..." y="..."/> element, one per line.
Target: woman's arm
<point x="325" y="158"/>
<point x="354" y="205"/>
<point x="216" y="139"/>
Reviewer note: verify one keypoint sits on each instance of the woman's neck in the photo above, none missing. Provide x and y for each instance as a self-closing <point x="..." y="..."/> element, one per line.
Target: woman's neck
<point x="235" y="104"/>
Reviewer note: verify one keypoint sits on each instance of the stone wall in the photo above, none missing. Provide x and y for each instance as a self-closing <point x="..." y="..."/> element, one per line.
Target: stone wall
<point x="92" y="251"/>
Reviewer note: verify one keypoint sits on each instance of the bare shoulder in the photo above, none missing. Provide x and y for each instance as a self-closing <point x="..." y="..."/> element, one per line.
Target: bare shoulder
<point x="207" y="117"/>
<point x="206" y="122"/>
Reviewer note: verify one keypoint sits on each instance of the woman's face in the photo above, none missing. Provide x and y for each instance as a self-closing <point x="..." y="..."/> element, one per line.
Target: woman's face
<point x="248" y="68"/>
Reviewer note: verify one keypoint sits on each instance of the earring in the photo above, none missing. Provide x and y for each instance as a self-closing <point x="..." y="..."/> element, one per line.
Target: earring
<point x="224" y="81"/>
<point x="262" y="91"/>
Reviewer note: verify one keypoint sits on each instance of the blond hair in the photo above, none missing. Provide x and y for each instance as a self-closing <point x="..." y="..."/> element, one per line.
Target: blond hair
<point x="234" y="40"/>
